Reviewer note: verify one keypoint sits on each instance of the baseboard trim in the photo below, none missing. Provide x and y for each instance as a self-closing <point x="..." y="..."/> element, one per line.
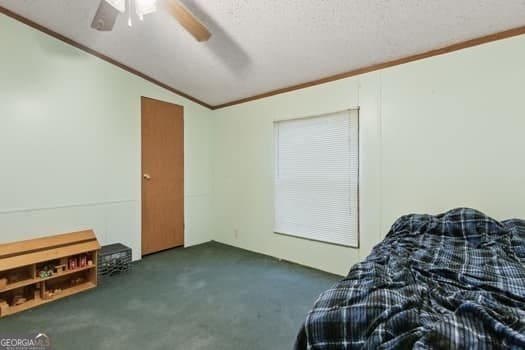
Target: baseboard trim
<point x="280" y="259"/>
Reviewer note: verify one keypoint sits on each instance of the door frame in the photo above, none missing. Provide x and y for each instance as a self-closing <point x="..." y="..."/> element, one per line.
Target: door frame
<point x="142" y="98"/>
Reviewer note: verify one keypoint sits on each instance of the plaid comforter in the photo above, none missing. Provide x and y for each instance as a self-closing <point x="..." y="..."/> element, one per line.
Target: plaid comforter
<point x="452" y="281"/>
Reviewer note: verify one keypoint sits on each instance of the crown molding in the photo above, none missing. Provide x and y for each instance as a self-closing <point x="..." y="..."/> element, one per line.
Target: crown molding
<point x="435" y="52"/>
<point x="95" y="53"/>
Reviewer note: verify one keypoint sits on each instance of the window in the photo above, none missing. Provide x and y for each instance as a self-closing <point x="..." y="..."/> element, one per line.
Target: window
<point x="316" y="177"/>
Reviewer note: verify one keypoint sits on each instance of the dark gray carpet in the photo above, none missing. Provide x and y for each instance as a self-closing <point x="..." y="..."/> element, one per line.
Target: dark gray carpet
<point x="210" y="296"/>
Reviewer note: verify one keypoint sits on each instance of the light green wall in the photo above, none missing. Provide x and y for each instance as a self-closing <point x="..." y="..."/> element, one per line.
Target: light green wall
<point x="435" y="134"/>
<point x="70" y="144"/>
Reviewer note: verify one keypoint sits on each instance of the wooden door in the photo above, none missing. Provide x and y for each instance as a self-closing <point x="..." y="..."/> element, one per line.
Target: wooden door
<point x="162" y="175"/>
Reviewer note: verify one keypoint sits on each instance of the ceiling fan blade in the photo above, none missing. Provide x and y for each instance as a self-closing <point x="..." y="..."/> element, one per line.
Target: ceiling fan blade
<point x="188" y="20"/>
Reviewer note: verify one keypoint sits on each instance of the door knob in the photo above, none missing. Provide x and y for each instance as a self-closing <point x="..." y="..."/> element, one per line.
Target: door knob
<point x="147" y="177"/>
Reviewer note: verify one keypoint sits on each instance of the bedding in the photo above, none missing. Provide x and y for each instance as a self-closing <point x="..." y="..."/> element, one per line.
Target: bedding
<point x="451" y="281"/>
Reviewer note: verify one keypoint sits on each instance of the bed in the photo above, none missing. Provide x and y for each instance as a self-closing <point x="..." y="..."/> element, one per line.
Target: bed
<point x="451" y="281"/>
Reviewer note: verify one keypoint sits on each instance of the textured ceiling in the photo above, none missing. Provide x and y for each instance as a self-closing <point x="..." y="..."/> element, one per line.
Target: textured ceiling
<point x="263" y="45"/>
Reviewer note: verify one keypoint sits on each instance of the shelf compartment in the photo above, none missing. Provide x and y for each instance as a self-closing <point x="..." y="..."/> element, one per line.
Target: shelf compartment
<point x="38" y="279"/>
<point x="39" y="301"/>
<point x="17" y="278"/>
<point x="66" y="282"/>
<point x="9" y="300"/>
<point x="18" y="285"/>
<point x="65" y="273"/>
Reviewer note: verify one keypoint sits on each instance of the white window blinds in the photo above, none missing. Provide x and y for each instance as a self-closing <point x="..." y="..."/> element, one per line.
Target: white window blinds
<point x="316" y="177"/>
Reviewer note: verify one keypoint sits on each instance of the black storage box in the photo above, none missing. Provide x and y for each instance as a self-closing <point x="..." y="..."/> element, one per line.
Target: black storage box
<point x="112" y="259"/>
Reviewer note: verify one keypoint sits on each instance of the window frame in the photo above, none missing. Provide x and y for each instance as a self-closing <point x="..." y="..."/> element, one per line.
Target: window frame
<point x="358" y="201"/>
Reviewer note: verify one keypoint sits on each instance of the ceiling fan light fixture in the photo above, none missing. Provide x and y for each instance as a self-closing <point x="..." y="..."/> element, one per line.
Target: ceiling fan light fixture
<point x="119" y="5"/>
<point x="108" y="11"/>
<point x="144" y="7"/>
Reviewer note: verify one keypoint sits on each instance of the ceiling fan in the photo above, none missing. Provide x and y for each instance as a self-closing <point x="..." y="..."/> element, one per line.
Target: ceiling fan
<point x="108" y="11"/>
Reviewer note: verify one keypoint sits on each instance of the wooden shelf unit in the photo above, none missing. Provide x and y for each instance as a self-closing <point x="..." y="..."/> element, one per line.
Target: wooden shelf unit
<point x="21" y="285"/>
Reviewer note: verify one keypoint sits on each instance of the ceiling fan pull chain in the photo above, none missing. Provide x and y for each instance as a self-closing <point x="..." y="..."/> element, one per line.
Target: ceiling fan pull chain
<point x="129" y="14"/>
